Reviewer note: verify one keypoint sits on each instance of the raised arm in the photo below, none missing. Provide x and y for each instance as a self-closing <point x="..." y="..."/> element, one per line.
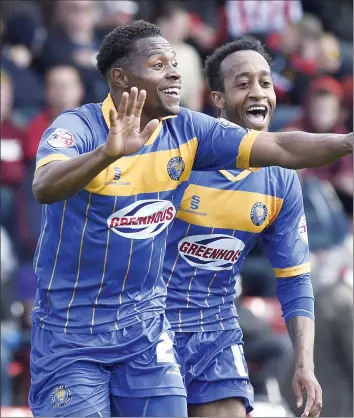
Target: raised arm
<point x="62" y="177"/>
<point x="298" y="149"/>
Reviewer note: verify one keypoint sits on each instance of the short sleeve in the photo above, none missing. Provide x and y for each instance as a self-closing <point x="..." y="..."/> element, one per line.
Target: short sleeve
<point x="286" y="240"/>
<point x="221" y="144"/>
<point x="67" y="137"/>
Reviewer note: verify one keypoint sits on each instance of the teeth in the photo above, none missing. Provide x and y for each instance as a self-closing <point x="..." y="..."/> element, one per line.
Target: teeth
<point x="173" y="90"/>
<point x="252" y="108"/>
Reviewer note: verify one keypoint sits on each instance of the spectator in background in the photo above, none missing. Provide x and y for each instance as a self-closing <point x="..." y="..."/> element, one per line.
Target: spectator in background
<point x="334" y="347"/>
<point x="322" y="113"/>
<point x="14" y="159"/>
<point x="260" y="17"/>
<point x="16" y="60"/>
<point x="206" y="25"/>
<point x="73" y="42"/>
<point x="9" y="335"/>
<point x="12" y="138"/>
<point x="294" y="52"/>
<point x="64" y="90"/>
<point x="174" y="22"/>
<point x="109" y="14"/>
<point x="328" y="55"/>
<point x="322" y="106"/>
<point x="310" y="30"/>
<point x="24" y="24"/>
<point x="337" y="16"/>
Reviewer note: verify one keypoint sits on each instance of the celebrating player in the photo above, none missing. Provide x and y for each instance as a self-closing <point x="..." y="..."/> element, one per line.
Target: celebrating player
<point x="222" y="215"/>
<point x="110" y="177"/>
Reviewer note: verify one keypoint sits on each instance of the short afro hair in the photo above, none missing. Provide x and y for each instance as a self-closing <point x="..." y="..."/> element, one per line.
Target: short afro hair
<point x="213" y="62"/>
<point x="119" y="44"/>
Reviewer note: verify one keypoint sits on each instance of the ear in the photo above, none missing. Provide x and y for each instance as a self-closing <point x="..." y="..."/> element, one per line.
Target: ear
<point x="218" y="99"/>
<point x="119" y="78"/>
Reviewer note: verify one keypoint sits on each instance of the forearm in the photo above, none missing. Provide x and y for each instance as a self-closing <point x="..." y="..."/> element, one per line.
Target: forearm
<point x="298" y="150"/>
<point x="60" y="180"/>
<point x="297" y="301"/>
<point x="302" y="334"/>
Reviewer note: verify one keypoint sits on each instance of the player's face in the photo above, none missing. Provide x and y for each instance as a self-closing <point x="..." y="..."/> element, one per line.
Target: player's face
<point x="154" y="69"/>
<point x="249" y="98"/>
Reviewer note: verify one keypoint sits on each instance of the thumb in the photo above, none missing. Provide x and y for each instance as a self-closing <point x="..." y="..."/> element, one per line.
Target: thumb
<point x="298" y="394"/>
<point x="149" y="129"/>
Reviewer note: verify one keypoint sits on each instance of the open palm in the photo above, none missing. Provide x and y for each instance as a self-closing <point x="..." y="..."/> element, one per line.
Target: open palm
<point x="124" y="137"/>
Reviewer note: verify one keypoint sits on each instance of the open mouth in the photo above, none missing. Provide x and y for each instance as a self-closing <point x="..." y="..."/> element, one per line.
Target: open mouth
<point x="172" y="93"/>
<point x="257" y="114"/>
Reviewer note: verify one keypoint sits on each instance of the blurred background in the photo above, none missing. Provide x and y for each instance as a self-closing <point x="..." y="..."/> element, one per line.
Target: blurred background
<point x="48" y="51"/>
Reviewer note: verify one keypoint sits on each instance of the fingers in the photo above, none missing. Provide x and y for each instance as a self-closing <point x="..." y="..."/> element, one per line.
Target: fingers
<point x="311" y="398"/>
<point x="317" y="404"/>
<point x="140" y="103"/>
<point x="298" y="393"/>
<point x="148" y="130"/>
<point x="112" y="117"/>
<point x="132" y="101"/>
<point x="122" y="109"/>
<point x="131" y="104"/>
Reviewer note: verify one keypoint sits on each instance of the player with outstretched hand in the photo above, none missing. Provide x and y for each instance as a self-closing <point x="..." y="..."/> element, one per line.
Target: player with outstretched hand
<point x="110" y="177"/>
<point x="222" y="215"/>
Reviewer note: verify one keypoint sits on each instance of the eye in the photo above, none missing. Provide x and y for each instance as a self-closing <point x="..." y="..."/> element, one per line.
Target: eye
<point x="158" y="65"/>
<point x="243" y="84"/>
<point x="266" y="84"/>
<point x="175" y="64"/>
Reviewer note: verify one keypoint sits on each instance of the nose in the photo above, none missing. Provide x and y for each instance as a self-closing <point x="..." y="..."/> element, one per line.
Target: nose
<point x="173" y="74"/>
<point x="257" y="92"/>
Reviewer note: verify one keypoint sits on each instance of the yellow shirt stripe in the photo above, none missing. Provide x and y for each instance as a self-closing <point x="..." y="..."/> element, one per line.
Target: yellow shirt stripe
<point x="236" y="208"/>
<point x="244" y="152"/>
<point x="145" y="173"/>
<point x="239" y="176"/>
<point x="293" y="271"/>
<point x="50" y="158"/>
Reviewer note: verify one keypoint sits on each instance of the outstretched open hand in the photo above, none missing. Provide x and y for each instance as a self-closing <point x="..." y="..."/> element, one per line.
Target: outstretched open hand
<point x="124" y="137"/>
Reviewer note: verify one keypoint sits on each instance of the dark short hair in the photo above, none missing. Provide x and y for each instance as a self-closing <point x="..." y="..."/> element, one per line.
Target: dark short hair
<point x="119" y="44"/>
<point x="213" y="62"/>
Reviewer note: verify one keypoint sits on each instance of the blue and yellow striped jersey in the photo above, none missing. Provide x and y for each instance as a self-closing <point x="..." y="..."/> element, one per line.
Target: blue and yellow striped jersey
<point x="222" y="215"/>
<point x="99" y="256"/>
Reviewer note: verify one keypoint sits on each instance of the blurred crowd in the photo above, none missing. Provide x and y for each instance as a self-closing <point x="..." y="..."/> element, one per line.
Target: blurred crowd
<point x="48" y="59"/>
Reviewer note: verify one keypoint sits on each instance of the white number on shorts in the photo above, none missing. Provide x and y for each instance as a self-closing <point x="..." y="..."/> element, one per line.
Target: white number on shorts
<point x="164" y="350"/>
<point x="237" y="351"/>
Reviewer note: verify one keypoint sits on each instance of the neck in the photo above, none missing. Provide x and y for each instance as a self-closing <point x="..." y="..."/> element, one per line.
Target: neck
<point x="144" y="118"/>
<point x="223" y="114"/>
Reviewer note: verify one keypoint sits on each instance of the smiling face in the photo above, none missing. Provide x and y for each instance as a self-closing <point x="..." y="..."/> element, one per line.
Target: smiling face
<point x="248" y="99"/>
<point x="153" y="67"/>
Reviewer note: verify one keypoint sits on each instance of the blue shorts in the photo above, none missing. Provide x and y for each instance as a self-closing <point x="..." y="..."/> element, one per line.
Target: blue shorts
<point x="213" y="366"/>
<point x="77" y="373"/>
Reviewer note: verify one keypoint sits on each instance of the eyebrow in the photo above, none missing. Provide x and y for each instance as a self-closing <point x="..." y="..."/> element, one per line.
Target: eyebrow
<point x="247" y="74"/>
<point x="160" y="52"/>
